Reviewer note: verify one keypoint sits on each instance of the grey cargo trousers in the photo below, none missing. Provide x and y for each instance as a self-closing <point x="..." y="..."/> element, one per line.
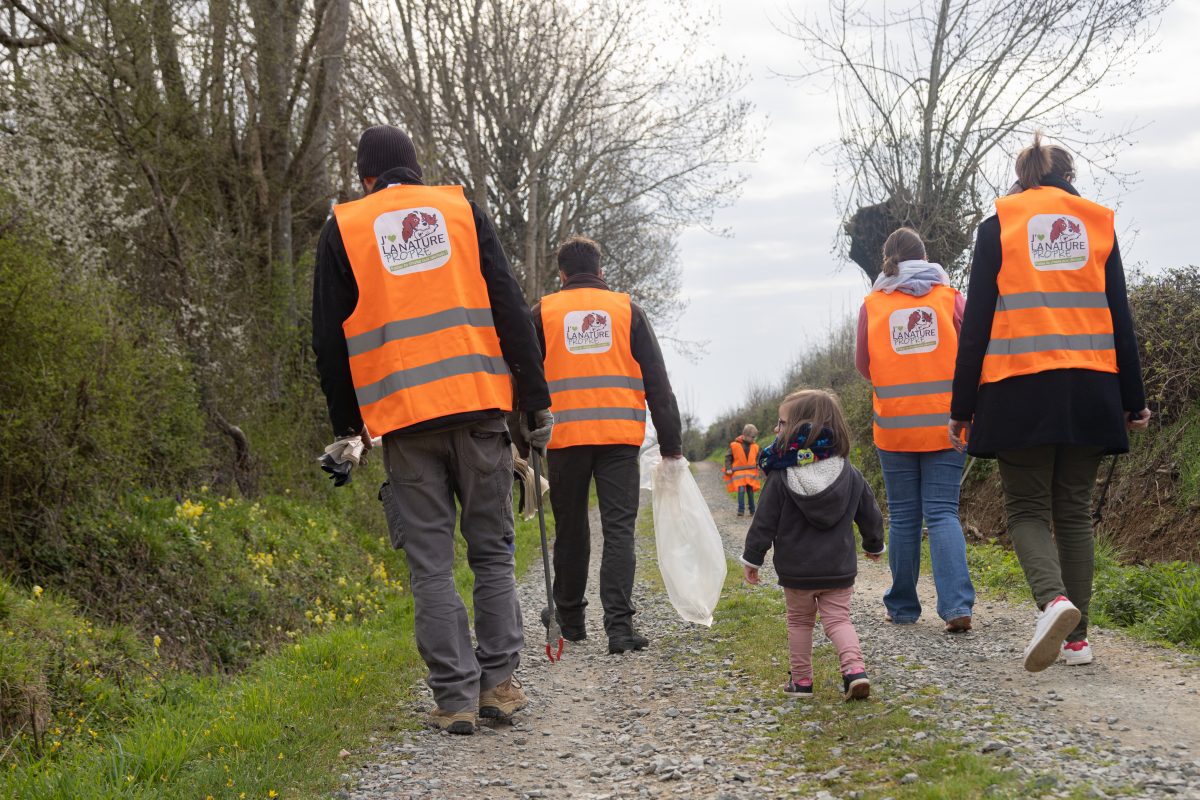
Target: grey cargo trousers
<point x="426" y="472"/>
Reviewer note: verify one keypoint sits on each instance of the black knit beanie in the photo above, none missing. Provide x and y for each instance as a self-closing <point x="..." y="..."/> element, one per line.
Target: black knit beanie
<point x="385" y="147"/>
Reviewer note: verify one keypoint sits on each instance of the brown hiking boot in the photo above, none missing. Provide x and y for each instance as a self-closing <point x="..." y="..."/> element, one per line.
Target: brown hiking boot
<point x="460" y="722"/>
<point x="503" y="700"/>
<point x="958" y="625"/>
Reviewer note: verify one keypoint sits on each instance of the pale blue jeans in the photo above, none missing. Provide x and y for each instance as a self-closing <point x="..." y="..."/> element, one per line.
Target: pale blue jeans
<point x="922" y="491"/>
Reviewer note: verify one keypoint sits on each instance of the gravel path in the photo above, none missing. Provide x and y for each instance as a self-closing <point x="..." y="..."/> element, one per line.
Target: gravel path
<point x="655" y="724"/>
<point x="1133" y="714"/>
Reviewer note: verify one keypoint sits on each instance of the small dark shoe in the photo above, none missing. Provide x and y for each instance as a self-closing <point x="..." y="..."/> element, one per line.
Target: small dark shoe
<point x="570" y="633"/>
<point x="634" y="641"/>
<point x="741" y="513"/>
<point x="799" y="691"/>
<point x="856" y="686"/>
<point x="958" y="625"/>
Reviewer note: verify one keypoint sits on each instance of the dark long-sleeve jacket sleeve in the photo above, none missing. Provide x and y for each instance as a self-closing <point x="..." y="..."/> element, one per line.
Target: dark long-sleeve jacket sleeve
<point x="869" y="520"/>
<point x="335" y="294"/>
<point x="664" y="409"/>
<point x="765" y="523"/>
<point x="976" y="330"/>
<point x="518" y="340"/>
<point x="1129" y="365"/>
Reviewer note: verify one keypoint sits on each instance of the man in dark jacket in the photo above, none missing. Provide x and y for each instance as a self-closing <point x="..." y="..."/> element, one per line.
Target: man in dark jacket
<point x="604" y="367"/>
<point x="421" y="367"/>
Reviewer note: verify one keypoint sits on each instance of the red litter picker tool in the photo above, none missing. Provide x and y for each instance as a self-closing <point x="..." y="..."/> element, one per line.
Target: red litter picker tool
<point x="554" y="639"/>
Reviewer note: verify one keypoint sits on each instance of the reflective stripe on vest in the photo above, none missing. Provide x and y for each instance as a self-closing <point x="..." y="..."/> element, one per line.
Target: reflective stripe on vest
<point x="597" y="393"/>
<point x="598" y="382"/>
<point x="431" y="323"/>
<point x="597" y="414"/>
<point x="912" y="344"/>
<point x="1052" y="311"/>
<point x="421" y="341"/>
<point x="744" y="466"/>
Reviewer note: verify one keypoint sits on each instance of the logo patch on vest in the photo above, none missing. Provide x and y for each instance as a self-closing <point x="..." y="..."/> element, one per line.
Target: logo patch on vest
<point x="914" y="330"/>
<point x="1057" y="241"/>
<point x="412" y="240"/>
<point x="587" y="331"/>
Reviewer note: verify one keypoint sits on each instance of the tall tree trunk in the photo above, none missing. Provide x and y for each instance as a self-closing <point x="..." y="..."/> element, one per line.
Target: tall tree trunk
<point x="533" y="277"/>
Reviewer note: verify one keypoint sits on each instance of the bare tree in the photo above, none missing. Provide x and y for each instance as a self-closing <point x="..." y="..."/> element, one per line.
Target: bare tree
<point x="555" y="121"/>
<point x="933" y="95"/>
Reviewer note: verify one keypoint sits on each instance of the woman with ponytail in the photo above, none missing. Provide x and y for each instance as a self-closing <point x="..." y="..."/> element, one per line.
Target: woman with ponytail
<point x="1048" y="381"/>
<point x="907" y="340"/>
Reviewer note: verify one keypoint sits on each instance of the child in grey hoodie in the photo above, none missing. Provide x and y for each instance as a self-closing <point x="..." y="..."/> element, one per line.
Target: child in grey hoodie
<point x="812" y="499"/>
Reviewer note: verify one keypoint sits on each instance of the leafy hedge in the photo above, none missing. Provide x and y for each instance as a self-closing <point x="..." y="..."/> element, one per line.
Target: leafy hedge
<point x="94" y="400"/>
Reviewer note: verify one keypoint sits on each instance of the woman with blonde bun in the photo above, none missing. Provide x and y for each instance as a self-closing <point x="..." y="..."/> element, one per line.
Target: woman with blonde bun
<point x="1048" y="381"/>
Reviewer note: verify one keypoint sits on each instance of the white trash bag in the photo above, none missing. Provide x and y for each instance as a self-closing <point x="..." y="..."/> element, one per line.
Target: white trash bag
<point x="690" y="555"/>
<point x="649" y="459"/>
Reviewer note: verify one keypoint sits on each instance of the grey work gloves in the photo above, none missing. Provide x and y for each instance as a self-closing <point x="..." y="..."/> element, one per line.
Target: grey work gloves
<point x="536" y="427"/>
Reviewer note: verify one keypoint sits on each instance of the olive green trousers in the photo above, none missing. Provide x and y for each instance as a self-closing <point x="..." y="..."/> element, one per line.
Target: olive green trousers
<point x="1051" y="487"/>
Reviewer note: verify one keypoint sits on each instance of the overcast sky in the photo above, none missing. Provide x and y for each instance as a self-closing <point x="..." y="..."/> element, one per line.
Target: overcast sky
<point x="762" y="296"/>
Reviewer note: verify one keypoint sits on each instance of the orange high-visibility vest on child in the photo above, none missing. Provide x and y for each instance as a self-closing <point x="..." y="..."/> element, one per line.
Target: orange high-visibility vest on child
<point x="421" y="340"/>
<point x="744" y="467"/>
<point x="596" y="390"/>
<point x="912" y="343"/>
<point x="1052" y="312"/>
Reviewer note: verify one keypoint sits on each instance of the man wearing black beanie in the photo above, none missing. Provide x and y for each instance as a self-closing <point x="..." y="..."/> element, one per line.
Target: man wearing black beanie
<point x="423" y="337"/>
<point x="383" y="147"/>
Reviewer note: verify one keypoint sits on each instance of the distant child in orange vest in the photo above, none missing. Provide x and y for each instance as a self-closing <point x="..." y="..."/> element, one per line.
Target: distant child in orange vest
<point x="741" y="469"/>
<point x="810" y="504"/>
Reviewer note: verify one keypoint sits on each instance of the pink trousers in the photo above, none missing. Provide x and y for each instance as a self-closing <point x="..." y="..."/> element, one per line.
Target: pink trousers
<point x="833" y="605"/>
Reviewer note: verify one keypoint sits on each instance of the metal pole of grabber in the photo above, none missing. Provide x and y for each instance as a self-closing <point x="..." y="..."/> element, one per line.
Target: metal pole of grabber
<point x="554" y="639"/>
<point x="967" y="471"/>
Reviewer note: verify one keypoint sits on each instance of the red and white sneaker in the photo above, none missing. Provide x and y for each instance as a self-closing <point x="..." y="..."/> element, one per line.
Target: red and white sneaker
<point x="1057" y="620"/>
<point x="1077" y="653"/>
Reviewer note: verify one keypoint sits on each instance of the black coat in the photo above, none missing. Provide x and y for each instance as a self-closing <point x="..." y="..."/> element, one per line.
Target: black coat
<point x="1062" y="406"/>
<point x="813" y="535"/>
<point x="335" y="294"/>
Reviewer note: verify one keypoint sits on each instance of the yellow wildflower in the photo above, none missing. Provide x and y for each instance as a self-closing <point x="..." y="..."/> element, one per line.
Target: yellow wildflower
<point x="37" y="592"/>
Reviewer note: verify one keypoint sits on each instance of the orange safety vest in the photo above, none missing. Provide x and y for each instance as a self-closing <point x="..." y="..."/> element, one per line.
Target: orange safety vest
<point x="596" y="390"/>
<point x="1052" y="311"/>
<point x="745" y="467"/>
<point x="421" y="341"/>
<point x="912" y="343"/>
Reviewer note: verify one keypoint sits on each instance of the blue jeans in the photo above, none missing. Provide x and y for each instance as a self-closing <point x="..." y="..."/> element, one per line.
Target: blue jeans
<point x="745" y="493"/>
<point x="924" y="487"/>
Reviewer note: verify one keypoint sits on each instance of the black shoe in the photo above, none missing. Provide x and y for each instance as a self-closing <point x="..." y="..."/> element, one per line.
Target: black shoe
<point x="632" y="641"/>
<point x="570" y="633"/>
<point x="856" y="686"/>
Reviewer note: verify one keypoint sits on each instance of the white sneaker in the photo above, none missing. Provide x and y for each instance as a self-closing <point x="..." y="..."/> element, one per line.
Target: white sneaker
<point x="1058" y="619"/>
<point x="1077" y="653"/>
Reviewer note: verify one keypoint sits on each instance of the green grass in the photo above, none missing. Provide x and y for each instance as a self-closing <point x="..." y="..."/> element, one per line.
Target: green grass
<point x="273" y="730"/>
